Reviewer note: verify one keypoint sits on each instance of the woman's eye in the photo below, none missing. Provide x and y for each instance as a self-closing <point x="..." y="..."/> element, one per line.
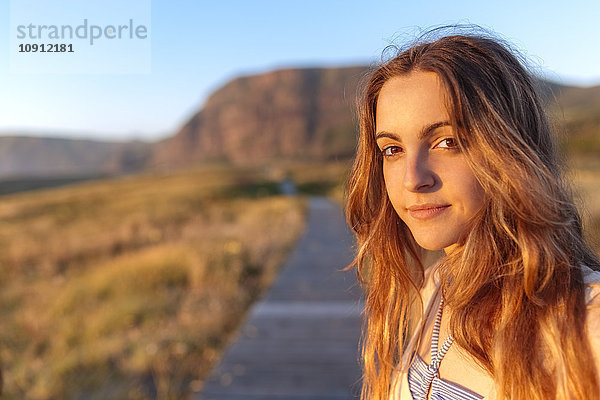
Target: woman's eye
<point x="448" y="143"/>
<point x="391" y="151"/>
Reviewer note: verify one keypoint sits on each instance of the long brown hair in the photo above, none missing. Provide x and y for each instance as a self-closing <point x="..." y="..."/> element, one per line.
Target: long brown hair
<point x="517" y="291"/>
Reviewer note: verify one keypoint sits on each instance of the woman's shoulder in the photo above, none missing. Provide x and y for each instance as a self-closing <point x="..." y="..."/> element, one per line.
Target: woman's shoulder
<point x="591" y="280"/>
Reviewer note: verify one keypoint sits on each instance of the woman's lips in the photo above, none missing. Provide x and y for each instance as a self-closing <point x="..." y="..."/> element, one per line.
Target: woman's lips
<point x="427" y="211"/>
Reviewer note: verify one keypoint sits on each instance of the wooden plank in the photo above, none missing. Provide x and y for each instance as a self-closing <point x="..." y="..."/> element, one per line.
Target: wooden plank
<point x="301" y="341"/>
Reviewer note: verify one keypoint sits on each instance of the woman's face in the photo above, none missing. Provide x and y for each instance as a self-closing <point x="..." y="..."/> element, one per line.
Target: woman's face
<point x="428" y="181"/>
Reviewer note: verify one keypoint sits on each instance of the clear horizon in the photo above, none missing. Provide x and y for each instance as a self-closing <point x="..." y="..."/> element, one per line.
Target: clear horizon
<point x="196" y="47"/>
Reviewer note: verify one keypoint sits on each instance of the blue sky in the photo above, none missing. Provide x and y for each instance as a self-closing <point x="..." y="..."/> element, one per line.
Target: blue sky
<point x="197" y="46"/>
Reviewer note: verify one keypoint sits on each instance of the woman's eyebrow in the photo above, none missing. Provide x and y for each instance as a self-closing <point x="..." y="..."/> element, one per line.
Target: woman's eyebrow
<point x="428" y="130"/>
<point x="385" y="134"/>
<point x="423" y="134"/>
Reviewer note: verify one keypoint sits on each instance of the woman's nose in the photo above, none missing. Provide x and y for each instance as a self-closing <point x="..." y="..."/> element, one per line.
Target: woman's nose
<point x="418" y="175"/>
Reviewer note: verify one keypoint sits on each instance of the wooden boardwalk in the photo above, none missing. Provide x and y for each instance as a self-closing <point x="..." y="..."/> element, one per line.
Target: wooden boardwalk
<point x="301" y="341"/>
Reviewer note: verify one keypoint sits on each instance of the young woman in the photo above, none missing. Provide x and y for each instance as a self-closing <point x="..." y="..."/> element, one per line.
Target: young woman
<point x="456" y="153"/>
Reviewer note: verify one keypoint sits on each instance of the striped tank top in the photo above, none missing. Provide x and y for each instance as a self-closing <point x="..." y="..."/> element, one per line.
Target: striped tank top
<point x="422" y="377"/>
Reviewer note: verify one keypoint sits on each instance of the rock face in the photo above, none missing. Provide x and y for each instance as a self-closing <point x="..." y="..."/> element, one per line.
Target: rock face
<point x="284" y="114"/>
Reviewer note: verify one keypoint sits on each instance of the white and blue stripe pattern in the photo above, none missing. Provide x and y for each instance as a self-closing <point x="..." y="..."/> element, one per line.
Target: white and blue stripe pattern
<point x="422" y="377"/>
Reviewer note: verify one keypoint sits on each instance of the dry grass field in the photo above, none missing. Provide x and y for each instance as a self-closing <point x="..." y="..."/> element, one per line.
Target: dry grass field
<point x="129" y="288"/>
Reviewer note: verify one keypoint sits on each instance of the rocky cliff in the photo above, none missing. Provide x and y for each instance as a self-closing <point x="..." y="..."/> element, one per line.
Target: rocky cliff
<point x="284" y="114"/>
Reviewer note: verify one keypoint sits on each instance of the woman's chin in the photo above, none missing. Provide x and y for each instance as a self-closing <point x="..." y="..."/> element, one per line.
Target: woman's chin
<point x="435" y="244"/>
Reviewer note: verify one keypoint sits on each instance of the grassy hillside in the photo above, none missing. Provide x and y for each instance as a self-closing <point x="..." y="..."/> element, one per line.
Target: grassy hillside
<point x="129" y="288"/>
<point x="587" y="185"/>
<point x="575" y="112"/>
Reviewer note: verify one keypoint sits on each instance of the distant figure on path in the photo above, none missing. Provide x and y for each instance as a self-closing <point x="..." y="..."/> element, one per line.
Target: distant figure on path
<point x="456" y="153"/>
